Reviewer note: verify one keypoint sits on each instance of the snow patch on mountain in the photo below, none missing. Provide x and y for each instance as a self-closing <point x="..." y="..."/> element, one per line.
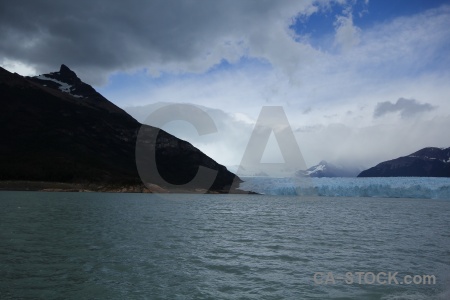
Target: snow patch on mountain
<point x="315" y="169"/>
<point x="63" y="87"/>
<point x="326" y="169"/>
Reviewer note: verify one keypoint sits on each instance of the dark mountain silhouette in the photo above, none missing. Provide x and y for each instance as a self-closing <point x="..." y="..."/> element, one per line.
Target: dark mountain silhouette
<point x="427" y="162"/>
<point x="56" y="128"/>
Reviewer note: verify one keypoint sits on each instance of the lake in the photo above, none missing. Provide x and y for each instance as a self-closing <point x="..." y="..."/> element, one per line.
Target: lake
<point x="147" y="246"/>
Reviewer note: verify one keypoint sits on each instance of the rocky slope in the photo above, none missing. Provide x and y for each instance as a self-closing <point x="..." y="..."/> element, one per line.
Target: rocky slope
<point x="56" y="128"/>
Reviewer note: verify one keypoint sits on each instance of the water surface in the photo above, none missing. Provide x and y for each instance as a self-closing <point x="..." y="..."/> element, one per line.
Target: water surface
<point x="118" y="246"/>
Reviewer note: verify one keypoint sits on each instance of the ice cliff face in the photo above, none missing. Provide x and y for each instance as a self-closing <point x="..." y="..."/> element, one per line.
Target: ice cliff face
<point x="401" y="187"/>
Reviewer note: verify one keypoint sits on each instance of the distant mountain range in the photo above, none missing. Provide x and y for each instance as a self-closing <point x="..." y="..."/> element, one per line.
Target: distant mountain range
<point x="56" y="128"/>
<point x="326" y="169"/>
<point x="427" y="162"/>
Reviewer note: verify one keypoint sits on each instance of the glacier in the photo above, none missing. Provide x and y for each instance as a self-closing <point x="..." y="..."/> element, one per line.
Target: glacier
<point x="385" y="187"/>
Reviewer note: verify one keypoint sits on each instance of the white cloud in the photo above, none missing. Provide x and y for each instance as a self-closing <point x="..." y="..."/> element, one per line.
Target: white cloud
<point x="18" y="67"/>
<point x="340" y="91"/>
<point x="403" y="46"/>
<point x="402" y="57"/>
<point x="347" y="34"/>
<point x="370" y="145"/>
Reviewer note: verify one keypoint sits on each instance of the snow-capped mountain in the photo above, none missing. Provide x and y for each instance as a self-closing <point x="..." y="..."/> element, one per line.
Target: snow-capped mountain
<point x="427" y="162"/>
<point x="66" y="82"/>
<point x="326" y="169"/>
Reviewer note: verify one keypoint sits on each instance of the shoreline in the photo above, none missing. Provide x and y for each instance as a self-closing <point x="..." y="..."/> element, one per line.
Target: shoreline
<point x="48" y="186"/>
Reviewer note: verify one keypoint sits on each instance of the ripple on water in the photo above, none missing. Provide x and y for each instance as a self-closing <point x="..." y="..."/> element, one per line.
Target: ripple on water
<point x="216" y="247"/>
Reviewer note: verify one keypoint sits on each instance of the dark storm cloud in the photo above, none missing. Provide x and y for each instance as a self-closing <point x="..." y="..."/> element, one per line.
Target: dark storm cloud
<point x="406" y="107"/>
<point x="99" y="37"/>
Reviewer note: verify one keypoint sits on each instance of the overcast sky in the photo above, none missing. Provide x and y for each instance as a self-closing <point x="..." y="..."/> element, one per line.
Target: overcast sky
<point x="360" y="81"/>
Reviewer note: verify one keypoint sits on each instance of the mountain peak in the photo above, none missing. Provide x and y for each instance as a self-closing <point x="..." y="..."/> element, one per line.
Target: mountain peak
<point x="67" y="72"/>
<point x="68" y="82"/>
<point x="429" y="150"/>
<point x="326" y="169"/>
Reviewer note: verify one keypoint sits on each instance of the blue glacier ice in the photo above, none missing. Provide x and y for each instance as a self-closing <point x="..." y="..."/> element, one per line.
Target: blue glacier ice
<point x="386" y="187"/>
